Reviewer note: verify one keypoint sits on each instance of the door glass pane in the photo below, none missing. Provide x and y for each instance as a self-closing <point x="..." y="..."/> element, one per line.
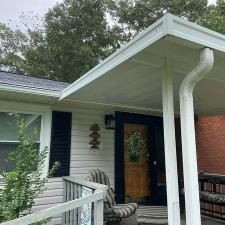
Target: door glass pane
<point x="136" y="162"/>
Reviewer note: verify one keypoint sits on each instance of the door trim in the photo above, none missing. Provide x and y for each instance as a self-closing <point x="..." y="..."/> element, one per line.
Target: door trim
<point x="121" y="118"/>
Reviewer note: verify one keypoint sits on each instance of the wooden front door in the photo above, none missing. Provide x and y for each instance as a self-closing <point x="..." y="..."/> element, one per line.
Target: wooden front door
<point x="137" y="164"/>
<point x="139" y="171"/>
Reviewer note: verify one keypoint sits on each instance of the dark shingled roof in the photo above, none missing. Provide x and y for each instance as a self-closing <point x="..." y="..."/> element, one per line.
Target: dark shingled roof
<point x="18" y="80"/>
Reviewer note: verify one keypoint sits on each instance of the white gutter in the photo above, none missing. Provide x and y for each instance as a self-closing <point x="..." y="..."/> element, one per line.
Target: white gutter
<point x="29" y="90"/>
<point x="188" y="136"/>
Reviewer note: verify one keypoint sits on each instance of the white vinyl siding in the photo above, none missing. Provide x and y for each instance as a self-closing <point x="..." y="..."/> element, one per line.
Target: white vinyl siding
<point x="51" y="197"/>
<point x="82" y="158"/>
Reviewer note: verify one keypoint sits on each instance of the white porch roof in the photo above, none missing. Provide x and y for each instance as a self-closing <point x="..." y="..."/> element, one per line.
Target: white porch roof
<point x="132" y="76"/>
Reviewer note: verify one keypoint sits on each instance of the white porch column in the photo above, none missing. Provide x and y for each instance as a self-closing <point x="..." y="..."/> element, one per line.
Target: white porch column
<point x="170" y="147"/>
<point x="190" y="168"/>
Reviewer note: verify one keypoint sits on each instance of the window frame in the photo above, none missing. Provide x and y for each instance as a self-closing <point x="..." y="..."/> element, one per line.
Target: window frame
<point x="46" y="121"/>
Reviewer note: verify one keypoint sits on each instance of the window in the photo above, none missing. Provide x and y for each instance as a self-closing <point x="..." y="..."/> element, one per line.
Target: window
<point x="9" y="133"/>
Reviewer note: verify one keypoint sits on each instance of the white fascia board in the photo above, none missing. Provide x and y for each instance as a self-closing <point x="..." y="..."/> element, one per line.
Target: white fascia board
<point x="197" y="34"/>
<point x="141" y="41"/>
<point x="29" y="90"/>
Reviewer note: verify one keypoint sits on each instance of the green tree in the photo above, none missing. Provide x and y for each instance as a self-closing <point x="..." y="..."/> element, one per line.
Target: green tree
<point x="75" y="37"/>
<point x="132" y="16"/>
<point x="78" y="37"/>
<point x="25" y="182"/>
<point x="24" y="50"/>
<point x="10" y="43"/>
<point x="77" y="34"/>
<point x="214" y="18"/>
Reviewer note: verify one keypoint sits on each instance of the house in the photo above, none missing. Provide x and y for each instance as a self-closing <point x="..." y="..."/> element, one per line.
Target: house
<point x="143" y="85"/>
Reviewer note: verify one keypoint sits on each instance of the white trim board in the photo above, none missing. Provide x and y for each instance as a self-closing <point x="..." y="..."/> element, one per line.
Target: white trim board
<point x="46" y="120"/>
<point x="29" y="90"/>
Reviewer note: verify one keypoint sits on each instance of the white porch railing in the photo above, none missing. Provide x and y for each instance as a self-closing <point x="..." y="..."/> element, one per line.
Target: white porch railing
<point x="83" y="205"/>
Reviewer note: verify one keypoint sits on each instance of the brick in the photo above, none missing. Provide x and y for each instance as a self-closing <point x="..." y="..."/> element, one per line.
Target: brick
<point x="210" y="143"/>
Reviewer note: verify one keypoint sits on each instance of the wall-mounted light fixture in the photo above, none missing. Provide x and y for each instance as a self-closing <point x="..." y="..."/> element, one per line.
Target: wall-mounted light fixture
<point x="110" y="121"/>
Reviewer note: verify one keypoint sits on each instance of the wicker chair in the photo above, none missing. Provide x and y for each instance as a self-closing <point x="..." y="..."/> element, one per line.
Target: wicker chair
<point x="112" y="212"/>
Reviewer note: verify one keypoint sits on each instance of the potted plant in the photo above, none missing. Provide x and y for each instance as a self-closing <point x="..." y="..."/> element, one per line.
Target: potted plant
<point x="135" y="143"/>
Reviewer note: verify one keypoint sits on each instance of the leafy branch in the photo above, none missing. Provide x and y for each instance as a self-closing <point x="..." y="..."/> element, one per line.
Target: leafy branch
<point x="25" y="182"/>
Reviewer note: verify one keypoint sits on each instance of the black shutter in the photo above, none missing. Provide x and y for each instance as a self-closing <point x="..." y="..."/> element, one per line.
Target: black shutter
<point x="61" y="142"/>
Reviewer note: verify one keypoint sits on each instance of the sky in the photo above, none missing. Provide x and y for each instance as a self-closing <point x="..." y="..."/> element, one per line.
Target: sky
<point x="12" y="9"/>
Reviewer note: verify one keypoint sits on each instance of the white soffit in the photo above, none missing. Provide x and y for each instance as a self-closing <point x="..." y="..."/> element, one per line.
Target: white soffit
<point x="131" y="77"/>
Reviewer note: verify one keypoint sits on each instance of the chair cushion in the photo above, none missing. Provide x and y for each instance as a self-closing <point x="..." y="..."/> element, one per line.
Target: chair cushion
<point x="111" y="209"/>
<point x="149" y="215"/>
<point x="212" y="196"/>
<point x="98" y="176"/>
<point x="124" y="210"/>
<point x="110" y="197"/>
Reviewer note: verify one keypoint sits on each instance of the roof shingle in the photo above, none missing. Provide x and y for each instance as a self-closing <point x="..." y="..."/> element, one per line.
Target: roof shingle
<point x="18" y="80"/>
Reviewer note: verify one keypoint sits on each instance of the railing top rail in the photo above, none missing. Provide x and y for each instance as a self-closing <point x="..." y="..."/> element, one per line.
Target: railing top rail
<point x="86" y="183"/>
<point x="55" y="210"/>
<point x="212" y="175"/>
<point x="212" y="178"/>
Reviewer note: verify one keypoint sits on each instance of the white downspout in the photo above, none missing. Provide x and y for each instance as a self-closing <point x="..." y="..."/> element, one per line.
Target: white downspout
<point x="190" y="168"/>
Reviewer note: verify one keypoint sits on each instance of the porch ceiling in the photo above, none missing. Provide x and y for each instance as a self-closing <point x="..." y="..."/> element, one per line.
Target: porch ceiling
<point x="132" y="76"/>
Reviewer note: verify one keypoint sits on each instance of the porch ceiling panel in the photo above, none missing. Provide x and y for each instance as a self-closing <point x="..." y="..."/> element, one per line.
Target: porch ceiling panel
<point x="135" y="80"/>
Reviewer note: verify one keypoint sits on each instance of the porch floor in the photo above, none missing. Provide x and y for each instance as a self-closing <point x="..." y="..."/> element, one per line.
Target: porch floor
<point x="205" y="221"/>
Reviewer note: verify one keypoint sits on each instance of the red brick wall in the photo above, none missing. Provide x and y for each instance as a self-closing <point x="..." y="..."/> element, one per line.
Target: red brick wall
<point x="210" y="139"/>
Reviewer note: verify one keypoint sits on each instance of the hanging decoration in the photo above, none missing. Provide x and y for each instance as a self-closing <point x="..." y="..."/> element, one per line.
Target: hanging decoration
<point x="95" y="137"/>
<point x="135" y="143"/>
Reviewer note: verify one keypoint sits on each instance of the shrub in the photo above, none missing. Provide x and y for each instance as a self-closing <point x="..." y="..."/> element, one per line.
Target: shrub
<point x="26" y="181"/>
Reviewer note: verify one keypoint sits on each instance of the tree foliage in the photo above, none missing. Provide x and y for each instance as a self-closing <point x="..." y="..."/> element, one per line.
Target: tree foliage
<point x="132" y="16"/>
<point x="24" y="50"/>
<point x="25" y="182"/>
<point x="78" y="37"/>
<point x="77" y="34"/>
<point x="214" y="18"/>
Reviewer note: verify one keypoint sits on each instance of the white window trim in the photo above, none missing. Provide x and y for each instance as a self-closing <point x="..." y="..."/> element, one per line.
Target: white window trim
<point x="46" y="122"/>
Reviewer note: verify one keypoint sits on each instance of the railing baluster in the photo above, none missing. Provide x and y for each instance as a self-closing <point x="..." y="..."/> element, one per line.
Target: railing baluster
<point x="98" y="212"/>
<point x="79" y="193"/>
<point x="71" y="198"/>
<point x="64" y="200"/>
<point x="73" y="190"/>
<point x="68" y="199"/>
<point x="75" y="197"/>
